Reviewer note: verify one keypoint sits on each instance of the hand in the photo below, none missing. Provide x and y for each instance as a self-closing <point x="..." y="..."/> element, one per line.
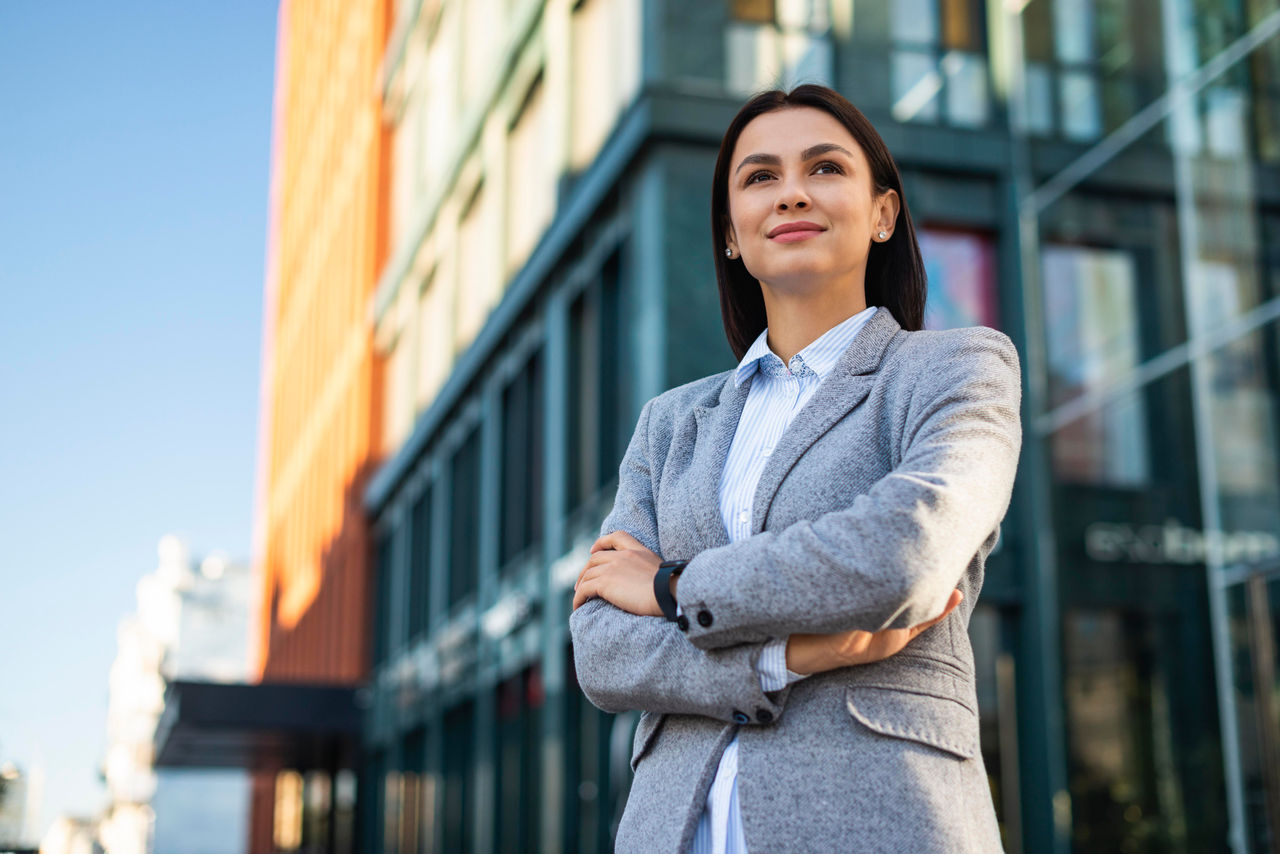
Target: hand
<point x="620" y="571"/>
<point x="808" y="654"/>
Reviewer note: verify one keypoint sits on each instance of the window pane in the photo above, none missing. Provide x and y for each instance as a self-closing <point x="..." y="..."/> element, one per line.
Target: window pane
<point x="458" y="736"/>
<point x="522" y="461"/>
<point x="420" y="565"/>
<point x="960" y="267"/>
<point x="916" y="83"/>
<point x="464" y="553"/>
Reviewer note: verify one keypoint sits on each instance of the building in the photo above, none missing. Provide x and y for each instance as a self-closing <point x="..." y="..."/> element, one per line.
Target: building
<point x="295" y="723"/>
<point x="17" y="804"/>
<point x="68" y="835"/>
<point x="319" y="435"/>
<point x="191" y="623"/>
<point x="1098" y="180"/>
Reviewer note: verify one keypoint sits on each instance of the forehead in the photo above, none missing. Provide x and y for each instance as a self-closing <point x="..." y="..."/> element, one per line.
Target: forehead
<point x="789" y="131"/>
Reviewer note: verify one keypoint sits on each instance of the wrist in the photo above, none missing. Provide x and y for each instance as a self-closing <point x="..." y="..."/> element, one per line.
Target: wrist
<point x="802" y="655"/>
<point x="664" y="586"/>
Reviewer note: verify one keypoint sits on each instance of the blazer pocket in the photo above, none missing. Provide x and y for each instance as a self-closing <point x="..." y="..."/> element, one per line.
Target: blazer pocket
<point x="646" y="731"/>
<point x="939" y="722"/>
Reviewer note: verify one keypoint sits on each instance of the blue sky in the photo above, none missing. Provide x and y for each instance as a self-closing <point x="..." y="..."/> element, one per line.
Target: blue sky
<point x="134" y="162"/>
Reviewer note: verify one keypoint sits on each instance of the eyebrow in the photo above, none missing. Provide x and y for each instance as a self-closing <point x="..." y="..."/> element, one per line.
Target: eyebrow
<point x="808" y="154"/>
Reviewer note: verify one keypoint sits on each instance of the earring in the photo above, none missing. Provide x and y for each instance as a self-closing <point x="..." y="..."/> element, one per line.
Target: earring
<point x="883" y="235"/>
<point x="728" y="253"/>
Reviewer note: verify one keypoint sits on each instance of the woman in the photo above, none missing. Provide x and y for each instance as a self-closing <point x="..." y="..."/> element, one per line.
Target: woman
<point x="810" y="520"/>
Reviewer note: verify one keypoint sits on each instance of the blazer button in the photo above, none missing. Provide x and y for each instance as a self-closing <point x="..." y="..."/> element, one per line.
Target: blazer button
<point x="704" y="618"/>
<point x="764" y="716"/>
<point x="682" y="623"/>
<point x="741" y="717"/>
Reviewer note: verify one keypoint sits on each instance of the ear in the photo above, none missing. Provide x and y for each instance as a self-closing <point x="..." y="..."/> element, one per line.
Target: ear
<point x="886" y="211"/>
<point x="730" y="236"/>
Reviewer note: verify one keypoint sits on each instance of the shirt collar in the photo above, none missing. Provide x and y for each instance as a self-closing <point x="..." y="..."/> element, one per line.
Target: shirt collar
<point x="820" y="356"/>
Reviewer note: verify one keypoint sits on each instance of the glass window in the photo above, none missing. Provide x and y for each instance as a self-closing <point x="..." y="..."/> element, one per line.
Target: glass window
<point x="752" y="11"/>
<point x="518" y="754"/>
<point x="990" y="632"/>
<point x="780" y="44"/>
<point x="522" y="432"/>
<point x="960" y="267"/>
<point x="417" y="797"/>
<point x="939" y="61"/>
<point x="599" y="420"/>
<point x="420" y="565"/>
<point x="597" y="769"/>
<point x="459" y="734"/>
<point x="464" y="512"/>
<point x="1092" y="340"/>
<point x="382" y="600"/>
<point x="1144" y="766"/>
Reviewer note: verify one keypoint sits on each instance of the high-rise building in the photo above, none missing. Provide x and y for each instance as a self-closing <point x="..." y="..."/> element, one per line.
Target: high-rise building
<point x="296" y="726"/>
<point x="1092" y="178"/>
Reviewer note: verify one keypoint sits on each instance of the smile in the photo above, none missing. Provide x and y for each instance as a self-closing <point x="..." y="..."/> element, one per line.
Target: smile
<point x="794" y="232"/>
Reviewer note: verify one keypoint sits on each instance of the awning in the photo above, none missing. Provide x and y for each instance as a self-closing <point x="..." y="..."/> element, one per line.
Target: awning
<point x="267" y="725"/>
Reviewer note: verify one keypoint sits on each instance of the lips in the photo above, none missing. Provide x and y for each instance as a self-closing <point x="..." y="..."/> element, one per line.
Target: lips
<point x="791" y="231"/>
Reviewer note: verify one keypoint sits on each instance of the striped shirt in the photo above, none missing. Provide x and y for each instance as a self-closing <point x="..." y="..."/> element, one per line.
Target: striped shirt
<point x="776" y="396"/>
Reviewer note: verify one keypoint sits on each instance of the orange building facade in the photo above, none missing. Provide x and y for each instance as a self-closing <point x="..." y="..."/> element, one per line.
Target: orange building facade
<point x="319" y="430"/>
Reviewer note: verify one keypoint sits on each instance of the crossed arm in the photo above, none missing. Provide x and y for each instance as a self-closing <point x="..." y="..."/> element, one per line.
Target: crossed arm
<point x="888" y="562"/>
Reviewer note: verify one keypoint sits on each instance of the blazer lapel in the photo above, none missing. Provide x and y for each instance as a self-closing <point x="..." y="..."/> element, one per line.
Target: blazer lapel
<point x="717" y="422"/>
<point x="843" y="389"/>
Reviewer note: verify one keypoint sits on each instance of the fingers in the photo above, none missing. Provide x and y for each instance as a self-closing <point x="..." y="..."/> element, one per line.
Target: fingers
<point x="583" y="591"/>
<point x="952" y="601"/>
<point x="592" y="562"/>
<point x="617" y="540"/>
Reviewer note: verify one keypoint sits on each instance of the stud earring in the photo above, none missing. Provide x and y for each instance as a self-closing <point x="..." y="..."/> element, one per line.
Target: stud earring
<point x="728" y="253"/>
<point x="883" y="235"/>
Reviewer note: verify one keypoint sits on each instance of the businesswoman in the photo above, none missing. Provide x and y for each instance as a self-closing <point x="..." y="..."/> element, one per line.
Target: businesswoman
<point x="784" y="583"/>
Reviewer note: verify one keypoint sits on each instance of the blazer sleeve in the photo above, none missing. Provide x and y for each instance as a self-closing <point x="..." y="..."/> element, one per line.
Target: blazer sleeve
<point x="625" y="661"/>
<point x="892" y="558"/>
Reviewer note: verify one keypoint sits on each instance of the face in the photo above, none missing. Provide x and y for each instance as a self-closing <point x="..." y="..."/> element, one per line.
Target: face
<point x="802" y="213"/>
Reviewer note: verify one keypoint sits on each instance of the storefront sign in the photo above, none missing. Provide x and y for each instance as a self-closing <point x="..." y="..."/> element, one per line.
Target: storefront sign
<point x="1174" y="543"/>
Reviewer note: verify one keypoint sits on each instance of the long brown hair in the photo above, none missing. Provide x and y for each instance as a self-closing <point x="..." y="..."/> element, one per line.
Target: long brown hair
<point x="895" y="276"/>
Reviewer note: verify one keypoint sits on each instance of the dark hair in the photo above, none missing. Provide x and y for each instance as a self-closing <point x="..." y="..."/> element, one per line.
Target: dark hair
<point x="895" y="276"/>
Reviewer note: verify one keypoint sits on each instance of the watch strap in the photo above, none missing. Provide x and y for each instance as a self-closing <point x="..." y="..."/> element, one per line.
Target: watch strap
<point x="662" y="586"/>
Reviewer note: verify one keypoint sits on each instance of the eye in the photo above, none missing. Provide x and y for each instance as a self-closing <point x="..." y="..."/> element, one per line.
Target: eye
<point x="751" y="179"/>
<point x="827" y="167"/>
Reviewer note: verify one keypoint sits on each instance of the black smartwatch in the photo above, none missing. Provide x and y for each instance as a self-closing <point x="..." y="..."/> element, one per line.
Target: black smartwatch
<point x="667" y="570"/>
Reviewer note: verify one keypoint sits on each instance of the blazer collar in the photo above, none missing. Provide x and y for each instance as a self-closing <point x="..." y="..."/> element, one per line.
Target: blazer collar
<point x="717" y="422"/>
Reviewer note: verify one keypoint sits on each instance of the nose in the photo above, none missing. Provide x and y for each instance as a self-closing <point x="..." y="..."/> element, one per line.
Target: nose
<point x="792" y="194"/>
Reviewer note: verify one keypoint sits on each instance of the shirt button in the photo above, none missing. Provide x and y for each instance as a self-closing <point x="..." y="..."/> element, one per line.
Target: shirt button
<point x="741" y="717"/>
<point x="764" y="716"/>
<point x="682" y="623"/>
<point x="743" y="516"/>
<point x="704" y="618"/>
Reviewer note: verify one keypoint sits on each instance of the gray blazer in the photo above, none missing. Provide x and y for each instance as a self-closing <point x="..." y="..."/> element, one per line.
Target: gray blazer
<point x="883" y="495"/>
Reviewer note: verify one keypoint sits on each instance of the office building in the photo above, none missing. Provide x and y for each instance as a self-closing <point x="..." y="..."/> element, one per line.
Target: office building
<point x="1095" y="179"/>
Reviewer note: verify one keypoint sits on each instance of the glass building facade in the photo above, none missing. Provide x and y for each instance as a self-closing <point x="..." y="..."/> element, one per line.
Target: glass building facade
<point x="1093" y="178"/>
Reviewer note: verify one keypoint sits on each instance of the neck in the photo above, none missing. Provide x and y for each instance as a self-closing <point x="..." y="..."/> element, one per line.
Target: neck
<point x="798" y="318"/>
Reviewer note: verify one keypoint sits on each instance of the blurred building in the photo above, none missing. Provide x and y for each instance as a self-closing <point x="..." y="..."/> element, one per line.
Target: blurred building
<point x="295" y="724"/>
<point x="15" y="826"/>
<point x="191" y="623"/>
<point x="505" y="203"/>
<point x="1096" y="179"/>
<point x="69" y="835"/>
